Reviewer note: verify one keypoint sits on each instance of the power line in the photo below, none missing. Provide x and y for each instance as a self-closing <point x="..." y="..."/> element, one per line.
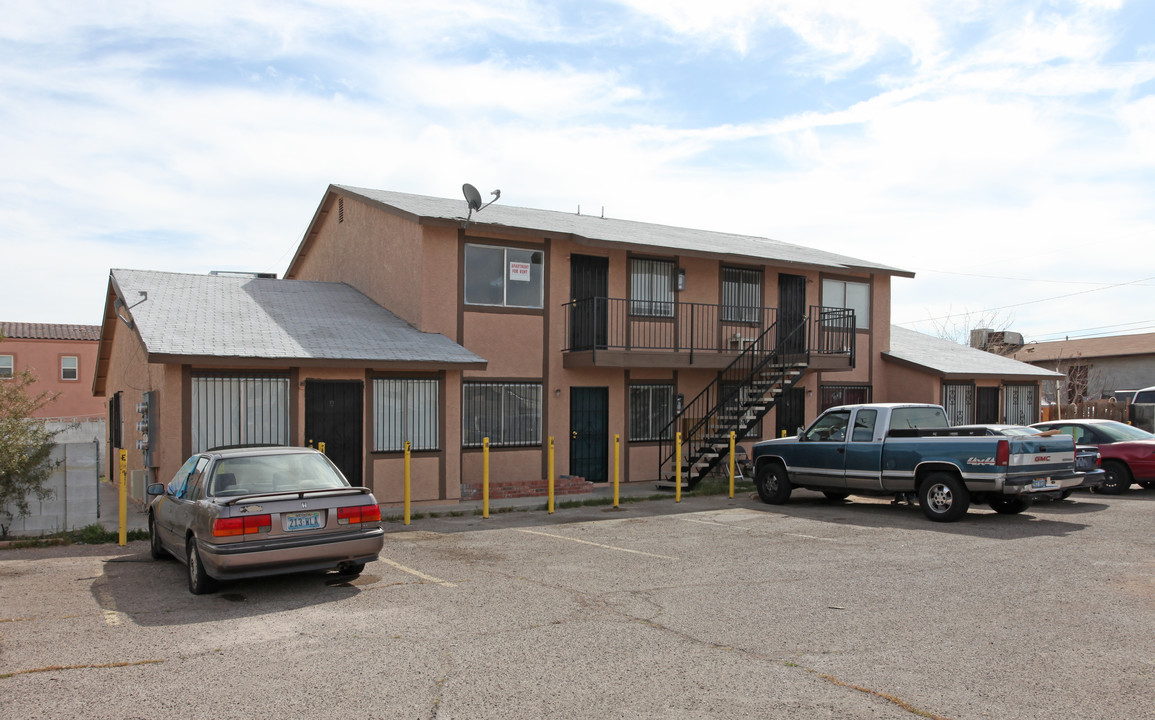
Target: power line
<point x="1092" y="330"/>
<point x="1016" y="279"/>
<point x="1028" y="302"/>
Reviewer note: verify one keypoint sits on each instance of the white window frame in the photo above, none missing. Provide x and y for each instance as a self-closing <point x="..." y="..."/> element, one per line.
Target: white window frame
<point x="64" y="367"/>
<point x="7" y="367"/>
<point x="406" y="409"/>
<point x="513" y="261"/>
<point x="849" y="294"/>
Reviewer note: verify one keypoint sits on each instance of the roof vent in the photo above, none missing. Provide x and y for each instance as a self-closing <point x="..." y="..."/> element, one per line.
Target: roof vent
<point x="244" y="274"/>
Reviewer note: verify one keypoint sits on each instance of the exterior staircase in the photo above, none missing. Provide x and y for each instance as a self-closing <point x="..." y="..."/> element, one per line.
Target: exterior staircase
<point x="736" y="401"/>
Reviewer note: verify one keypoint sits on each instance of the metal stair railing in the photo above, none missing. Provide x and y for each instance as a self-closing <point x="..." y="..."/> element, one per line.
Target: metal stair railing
<point x="735" y="401"/>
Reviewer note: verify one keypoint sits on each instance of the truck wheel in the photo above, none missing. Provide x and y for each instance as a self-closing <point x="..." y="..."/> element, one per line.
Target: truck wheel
<point x="773" y="484"/>
<point x="1009" y="505"/>
<point x="1116" y="479"/>
<point x="943" y="497"/>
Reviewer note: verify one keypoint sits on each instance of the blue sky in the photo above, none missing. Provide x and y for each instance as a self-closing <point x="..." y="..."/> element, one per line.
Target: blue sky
<point x="1005" y="152"/>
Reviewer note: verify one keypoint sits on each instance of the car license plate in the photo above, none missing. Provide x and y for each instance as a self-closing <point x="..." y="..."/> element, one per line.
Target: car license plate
<point x="1043" y="484"/>
<point x="303" y="521"/>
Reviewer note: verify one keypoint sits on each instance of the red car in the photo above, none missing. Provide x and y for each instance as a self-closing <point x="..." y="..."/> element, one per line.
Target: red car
<point x="1128" y="452"/>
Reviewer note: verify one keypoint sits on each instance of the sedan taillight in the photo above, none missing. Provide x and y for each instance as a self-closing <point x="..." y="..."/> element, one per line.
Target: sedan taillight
<point x="360" y="514"/>
<point x="246" y="525"/>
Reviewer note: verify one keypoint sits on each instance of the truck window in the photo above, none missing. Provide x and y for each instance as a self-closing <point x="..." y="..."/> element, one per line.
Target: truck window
<point x="918" y="417"/>
<point x="864" y="423"/>
<point x="830" y="427"/>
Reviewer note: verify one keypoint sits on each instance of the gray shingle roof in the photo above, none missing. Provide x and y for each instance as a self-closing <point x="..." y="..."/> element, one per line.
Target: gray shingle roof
<point x="589" y="227"/>
<point x="49" y="331"/>
<point x="951" y="359"/>
<point x="245" y="317"/>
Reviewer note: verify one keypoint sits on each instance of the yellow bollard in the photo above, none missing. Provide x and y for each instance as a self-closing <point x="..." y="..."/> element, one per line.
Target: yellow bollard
<point x="617" y="465"/>
<point x="123" y="498"/>
<point x="321" y="447"/>
<point x="678" y="468"/>
<point x="485" y="477"/>
<point x="551" y="475"/>
<point x="408" y="482"/>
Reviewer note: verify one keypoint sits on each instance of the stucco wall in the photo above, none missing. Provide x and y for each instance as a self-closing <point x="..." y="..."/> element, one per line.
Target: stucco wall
<point x="74" y="397"/>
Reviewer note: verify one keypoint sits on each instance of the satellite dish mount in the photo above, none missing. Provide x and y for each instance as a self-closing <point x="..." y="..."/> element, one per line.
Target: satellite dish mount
<point x="473" y="200"/>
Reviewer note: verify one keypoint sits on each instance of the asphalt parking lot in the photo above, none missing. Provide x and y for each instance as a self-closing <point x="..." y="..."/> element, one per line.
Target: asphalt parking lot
<point x="712" y="608"/>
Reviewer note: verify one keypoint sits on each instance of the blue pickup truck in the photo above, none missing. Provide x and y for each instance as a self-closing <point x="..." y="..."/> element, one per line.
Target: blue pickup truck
<point x="909" y="450"/>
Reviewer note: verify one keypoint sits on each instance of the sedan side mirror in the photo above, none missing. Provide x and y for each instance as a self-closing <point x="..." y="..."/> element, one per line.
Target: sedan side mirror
<point x="156" y="489"/>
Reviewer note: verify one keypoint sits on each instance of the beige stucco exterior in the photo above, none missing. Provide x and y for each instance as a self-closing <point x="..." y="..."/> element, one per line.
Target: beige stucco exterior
<point x="414" y="267"/>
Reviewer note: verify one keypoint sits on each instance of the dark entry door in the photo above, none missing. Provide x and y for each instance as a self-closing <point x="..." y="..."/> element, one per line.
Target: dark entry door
<point x="334" y="415"/>
<point x="791" y="314"/>
<point x="986" y="405"/>
<point x="589" y="433"/>
<point x="791" y="413"/>
<point x="589" y="286"/>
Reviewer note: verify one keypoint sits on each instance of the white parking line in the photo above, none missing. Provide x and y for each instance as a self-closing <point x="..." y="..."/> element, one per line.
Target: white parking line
<point x="587" y="542"/>
<point x="416" y="573"/>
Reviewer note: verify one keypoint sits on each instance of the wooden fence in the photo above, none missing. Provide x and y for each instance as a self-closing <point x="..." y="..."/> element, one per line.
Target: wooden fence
<point x="1106" y="409"/>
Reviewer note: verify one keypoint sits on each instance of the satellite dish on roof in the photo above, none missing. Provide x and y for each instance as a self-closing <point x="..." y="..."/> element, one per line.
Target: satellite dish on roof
<point x="472" y="197"/>
<point x="473" y="200"/>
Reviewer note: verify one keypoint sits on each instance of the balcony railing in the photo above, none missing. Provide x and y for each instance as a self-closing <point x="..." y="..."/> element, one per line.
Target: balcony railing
<point x="596" y="324"/>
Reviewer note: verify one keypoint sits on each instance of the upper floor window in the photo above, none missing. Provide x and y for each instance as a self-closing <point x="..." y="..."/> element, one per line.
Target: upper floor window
<point x="69" y="367"/>
<point x="652" y="285"/>
<point x="852" y="295"/>
<point x="741" y="295"/>
<point x="7" y="366"/>
<point x="503" y="276"/>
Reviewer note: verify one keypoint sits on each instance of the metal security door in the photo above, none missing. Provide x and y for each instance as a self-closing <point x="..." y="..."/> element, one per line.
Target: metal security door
<point x="791" y="314"/>
<point x="334" y="415"/>
<point x="589" y="433"/>
<point x="791" y="412"/>
<point x="986" y="405"/>
<point x="589" y="286"/>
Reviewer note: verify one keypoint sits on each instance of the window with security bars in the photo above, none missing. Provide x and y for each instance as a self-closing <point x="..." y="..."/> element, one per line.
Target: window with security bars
<point x="651" y="409"/>
<point x="1021" y="404"/>
<point x="406" y="409"/>
<point x="959" y="402"/>
<point x="509" y="414"/>
<point x="652" y="287"/>
<point x="741" y="295"/>
<point x="239" y="411"/>
<point x="835" y="395"/>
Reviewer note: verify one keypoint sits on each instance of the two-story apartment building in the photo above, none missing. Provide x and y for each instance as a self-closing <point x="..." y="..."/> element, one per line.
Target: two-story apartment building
<point x="400" y="320"/>
<point x="62" y="357"/>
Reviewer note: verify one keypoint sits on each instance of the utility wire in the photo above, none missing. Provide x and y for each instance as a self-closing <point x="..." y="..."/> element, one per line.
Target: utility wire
<point x="1028" y="302"/>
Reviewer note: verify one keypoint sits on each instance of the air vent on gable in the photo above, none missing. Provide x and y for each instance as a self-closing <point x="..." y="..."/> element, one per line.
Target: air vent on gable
<point x="340" y="210"/>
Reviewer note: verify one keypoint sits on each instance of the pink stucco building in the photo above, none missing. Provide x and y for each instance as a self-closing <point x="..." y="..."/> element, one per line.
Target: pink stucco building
<point x="400" y="321"/>
<point x="63" y="360"/>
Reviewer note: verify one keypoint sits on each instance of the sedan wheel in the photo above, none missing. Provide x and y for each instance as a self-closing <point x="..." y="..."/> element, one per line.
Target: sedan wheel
<point x="199" y="581"/>
<point x="154" y="547"/>
<point x="1117" y="478"/>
